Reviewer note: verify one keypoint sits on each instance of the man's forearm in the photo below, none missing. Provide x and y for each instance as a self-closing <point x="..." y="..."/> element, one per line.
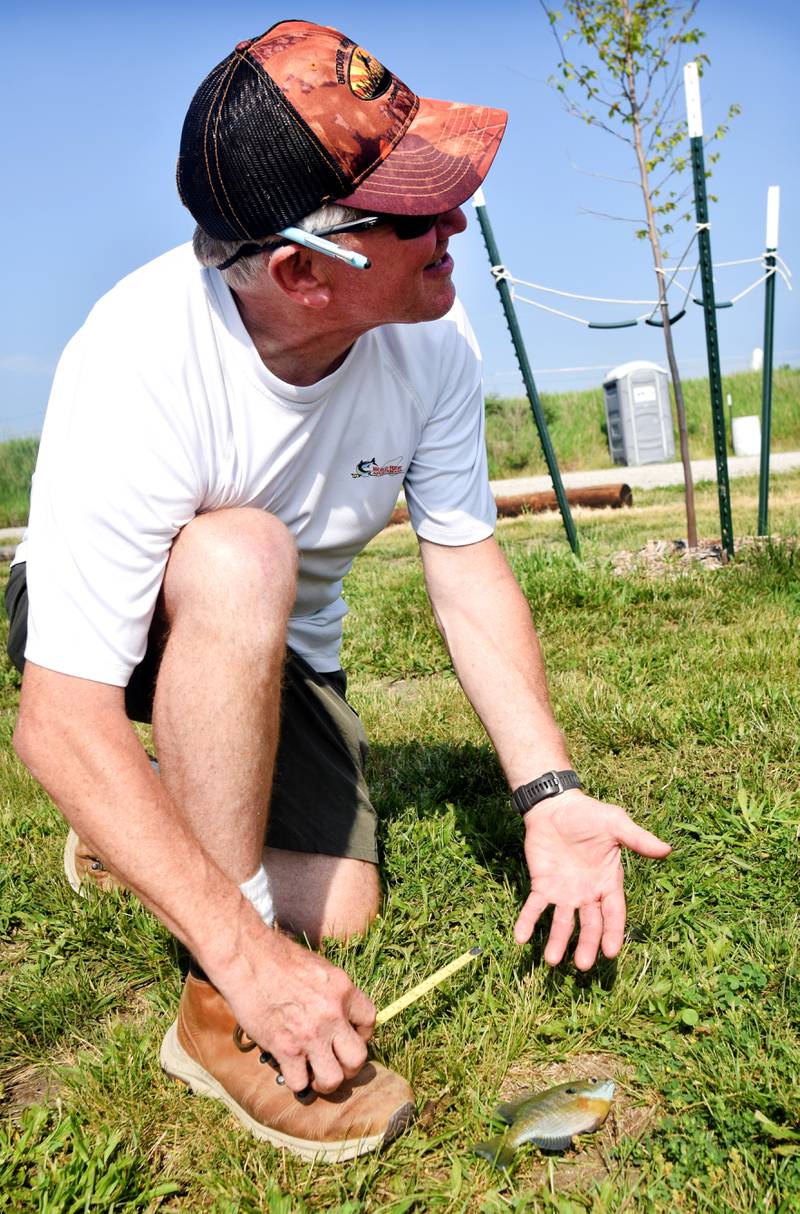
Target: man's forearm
<point x="486" y="623"/>
<point x="74" y="737"/>
<point x="87" y="757"/>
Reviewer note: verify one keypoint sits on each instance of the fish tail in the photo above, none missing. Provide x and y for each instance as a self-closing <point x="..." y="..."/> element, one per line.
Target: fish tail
<point x="496" y="1150"/>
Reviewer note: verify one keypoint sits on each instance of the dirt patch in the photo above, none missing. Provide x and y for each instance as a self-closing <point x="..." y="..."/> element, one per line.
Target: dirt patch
<point x="660" y="557"/>
<point x="591" y="1159"/>
<point x="413" y="688"/>
<point x="23" y="1085"/>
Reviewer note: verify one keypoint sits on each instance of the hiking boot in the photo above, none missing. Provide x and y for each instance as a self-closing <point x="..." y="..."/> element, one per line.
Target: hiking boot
<point x="84" y="870"/>
<point x="204" y="1049"/>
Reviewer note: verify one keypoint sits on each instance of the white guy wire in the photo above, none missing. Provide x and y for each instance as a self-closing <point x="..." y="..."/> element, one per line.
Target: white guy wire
<point x="555" y="311"/>
<point x="500" y="272"/>
<point x="770" y="271"/>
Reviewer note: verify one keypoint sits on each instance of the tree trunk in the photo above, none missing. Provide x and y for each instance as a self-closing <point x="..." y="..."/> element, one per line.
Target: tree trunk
<point x="655" y="245"/>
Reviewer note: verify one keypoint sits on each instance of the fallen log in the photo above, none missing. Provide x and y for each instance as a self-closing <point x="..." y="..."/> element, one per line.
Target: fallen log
<point x="596" y="497"/>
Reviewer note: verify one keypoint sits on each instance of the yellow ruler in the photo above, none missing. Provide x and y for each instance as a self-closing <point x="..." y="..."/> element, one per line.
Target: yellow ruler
<point x="426" y="985"/>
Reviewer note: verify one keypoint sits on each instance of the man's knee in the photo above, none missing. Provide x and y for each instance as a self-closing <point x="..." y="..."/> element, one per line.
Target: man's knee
<point x="232" y="558"/>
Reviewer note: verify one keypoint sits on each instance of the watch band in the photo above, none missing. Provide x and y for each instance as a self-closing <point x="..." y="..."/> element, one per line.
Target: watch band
<point x="549" y="785"/>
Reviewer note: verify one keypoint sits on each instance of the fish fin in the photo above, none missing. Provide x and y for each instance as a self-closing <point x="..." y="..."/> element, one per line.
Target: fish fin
<point x="552" y="1142"/>
<point x="495" y="1150"/>
<point x="509" y="1109"/>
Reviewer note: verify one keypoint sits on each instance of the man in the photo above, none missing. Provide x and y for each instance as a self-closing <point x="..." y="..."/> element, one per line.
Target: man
<point x="222" y="439"/>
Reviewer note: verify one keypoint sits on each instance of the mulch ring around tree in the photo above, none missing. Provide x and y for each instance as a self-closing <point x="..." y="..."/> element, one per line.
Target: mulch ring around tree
<point x="659" y="557"/>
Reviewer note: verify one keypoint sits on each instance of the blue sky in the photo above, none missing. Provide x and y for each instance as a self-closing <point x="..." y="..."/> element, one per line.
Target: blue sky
<point x="94" y="97"/>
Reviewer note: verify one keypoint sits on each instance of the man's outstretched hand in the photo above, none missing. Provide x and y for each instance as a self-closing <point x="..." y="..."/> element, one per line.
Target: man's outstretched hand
<point x="572" y="846"/>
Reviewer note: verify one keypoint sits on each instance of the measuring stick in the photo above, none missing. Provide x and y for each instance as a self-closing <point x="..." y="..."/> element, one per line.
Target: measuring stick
<point x="426" y="985"/>
<point x="404" y="1001"/>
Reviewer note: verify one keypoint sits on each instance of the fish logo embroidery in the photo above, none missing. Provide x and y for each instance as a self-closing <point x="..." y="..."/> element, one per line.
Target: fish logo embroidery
<point x="367" y="77"/>
<point x="370" y="467"/>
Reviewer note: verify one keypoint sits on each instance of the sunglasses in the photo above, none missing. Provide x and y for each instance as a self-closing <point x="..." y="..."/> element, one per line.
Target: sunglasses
<point x="406" y="227"/>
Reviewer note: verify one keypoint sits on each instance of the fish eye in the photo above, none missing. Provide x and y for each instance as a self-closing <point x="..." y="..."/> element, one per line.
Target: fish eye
<point x="570" y="1091"/>
<point x="592" y="1080"/>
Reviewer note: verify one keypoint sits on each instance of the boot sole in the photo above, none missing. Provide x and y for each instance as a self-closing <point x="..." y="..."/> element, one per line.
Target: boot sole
<point x="70" y="868"/>
<point x="176" y="1063"/>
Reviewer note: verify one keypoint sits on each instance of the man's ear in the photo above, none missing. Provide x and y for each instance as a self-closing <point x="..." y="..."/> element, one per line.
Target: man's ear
<point x="300" y="274"/>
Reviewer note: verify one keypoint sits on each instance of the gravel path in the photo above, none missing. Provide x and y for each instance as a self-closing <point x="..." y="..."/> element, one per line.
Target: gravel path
<point x="650" y="476"/>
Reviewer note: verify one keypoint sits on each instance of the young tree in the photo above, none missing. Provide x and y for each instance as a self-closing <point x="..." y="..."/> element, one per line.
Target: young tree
<point x="628" y="89"/>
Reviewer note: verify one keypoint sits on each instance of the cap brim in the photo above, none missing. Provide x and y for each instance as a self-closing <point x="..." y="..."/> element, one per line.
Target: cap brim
<point x="439" y="163"/>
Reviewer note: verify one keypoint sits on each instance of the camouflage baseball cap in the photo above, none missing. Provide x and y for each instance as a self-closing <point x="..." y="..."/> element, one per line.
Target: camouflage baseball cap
<point x="303" y="115"/>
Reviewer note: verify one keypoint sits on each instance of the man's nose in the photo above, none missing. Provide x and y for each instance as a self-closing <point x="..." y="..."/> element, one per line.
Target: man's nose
<point x="451" y="222"/>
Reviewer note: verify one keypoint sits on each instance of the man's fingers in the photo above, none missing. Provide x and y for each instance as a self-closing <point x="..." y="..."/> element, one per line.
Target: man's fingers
<point x="326" y="1073"/>
<point x="534" y="905"/>
<point x="294" y="1069"/>
<point x="351" y="1052"/>
<point x="640" y="840"/>
<point x="591" y="920"/>
<point x="560" y="932"/>
<point x="361" y="1013"/>
<point x="613" y="923"/>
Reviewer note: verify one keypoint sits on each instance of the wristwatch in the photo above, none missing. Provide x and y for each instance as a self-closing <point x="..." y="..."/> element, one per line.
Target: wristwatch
<point x="549" y="785"/>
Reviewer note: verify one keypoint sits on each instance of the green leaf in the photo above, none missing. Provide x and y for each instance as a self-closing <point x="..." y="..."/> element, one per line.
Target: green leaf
<point x="780" y="1132"/>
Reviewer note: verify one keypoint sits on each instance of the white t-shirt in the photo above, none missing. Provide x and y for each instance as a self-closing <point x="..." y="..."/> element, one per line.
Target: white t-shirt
<point x="161" y="410"/>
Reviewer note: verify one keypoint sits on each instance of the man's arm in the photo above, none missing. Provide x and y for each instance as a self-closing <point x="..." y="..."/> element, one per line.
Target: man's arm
<point x="74" y="737"/>
<point x="572" y="842"/>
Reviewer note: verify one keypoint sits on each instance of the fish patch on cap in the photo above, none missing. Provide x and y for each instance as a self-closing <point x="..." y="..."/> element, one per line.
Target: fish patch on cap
<point x="367" y="77"/>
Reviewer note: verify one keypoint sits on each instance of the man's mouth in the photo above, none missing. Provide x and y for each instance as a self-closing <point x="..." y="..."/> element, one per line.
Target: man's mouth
<point x="441" y="262"/>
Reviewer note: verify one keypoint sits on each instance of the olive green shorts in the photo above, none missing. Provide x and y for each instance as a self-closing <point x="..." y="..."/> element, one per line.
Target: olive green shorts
<point x="320" y="801"/>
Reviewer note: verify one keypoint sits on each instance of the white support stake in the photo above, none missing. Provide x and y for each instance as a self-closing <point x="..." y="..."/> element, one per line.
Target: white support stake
<point x="478" y="198"/>
<point x="773" y="213"/>
<point x="694" y="111"/>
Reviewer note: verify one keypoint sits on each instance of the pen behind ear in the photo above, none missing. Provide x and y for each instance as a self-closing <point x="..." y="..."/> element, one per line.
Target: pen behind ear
<point x="320" y="245"/>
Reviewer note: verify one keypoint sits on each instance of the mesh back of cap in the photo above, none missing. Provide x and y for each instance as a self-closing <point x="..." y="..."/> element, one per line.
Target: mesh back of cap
<point x="248" y="164"/>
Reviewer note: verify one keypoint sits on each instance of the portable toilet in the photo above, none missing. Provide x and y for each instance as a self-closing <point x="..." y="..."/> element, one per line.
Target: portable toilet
<point x="638" y="414"/>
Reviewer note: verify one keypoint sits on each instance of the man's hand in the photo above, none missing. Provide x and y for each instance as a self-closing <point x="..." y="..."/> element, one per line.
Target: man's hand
<point x="306" y="1013"/>
<point x="572" y="846"/>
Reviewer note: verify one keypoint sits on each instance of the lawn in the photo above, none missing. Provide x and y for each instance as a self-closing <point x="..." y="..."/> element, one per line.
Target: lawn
<point x="679" y="694"/>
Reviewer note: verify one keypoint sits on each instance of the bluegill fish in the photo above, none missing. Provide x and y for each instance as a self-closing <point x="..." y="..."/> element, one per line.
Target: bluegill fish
<point x="549" y="1119"/>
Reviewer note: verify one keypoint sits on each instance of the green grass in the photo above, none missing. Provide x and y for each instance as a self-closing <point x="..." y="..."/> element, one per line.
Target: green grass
<point x="577" y="423"/>
<point x="17" y="460"/>
<point x="680" y="697"/>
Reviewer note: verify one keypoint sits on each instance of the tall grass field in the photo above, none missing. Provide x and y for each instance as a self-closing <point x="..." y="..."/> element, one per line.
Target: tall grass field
<point x="576" y="421"/>
<point x="17" y="461"/>
<point x="677" y="687"/>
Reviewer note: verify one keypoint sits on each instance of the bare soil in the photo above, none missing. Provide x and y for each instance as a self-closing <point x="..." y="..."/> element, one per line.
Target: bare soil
<point x="592" y="1158"/>
<point x="662" y="557"/>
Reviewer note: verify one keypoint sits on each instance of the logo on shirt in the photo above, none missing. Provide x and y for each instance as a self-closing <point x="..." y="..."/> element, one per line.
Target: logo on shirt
<point x="370" y="467"/>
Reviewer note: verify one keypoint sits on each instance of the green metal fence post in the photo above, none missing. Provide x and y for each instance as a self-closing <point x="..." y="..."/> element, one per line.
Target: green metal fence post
<point x="695" y="124"/>
<point x="773" y="207"/>
<point x="479" y="202"/>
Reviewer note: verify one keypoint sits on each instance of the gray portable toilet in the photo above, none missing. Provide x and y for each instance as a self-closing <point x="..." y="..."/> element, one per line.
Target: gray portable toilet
<point x="638" y="414"/>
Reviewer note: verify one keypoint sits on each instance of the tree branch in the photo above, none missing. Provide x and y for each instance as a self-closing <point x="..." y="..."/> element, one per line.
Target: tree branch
<point x="605" y="176"/>
<point x="592" y="120"/>
<point x="616" y="218"/>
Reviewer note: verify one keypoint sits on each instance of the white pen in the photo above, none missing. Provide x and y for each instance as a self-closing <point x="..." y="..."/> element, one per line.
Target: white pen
<point x="298" y="236"/>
